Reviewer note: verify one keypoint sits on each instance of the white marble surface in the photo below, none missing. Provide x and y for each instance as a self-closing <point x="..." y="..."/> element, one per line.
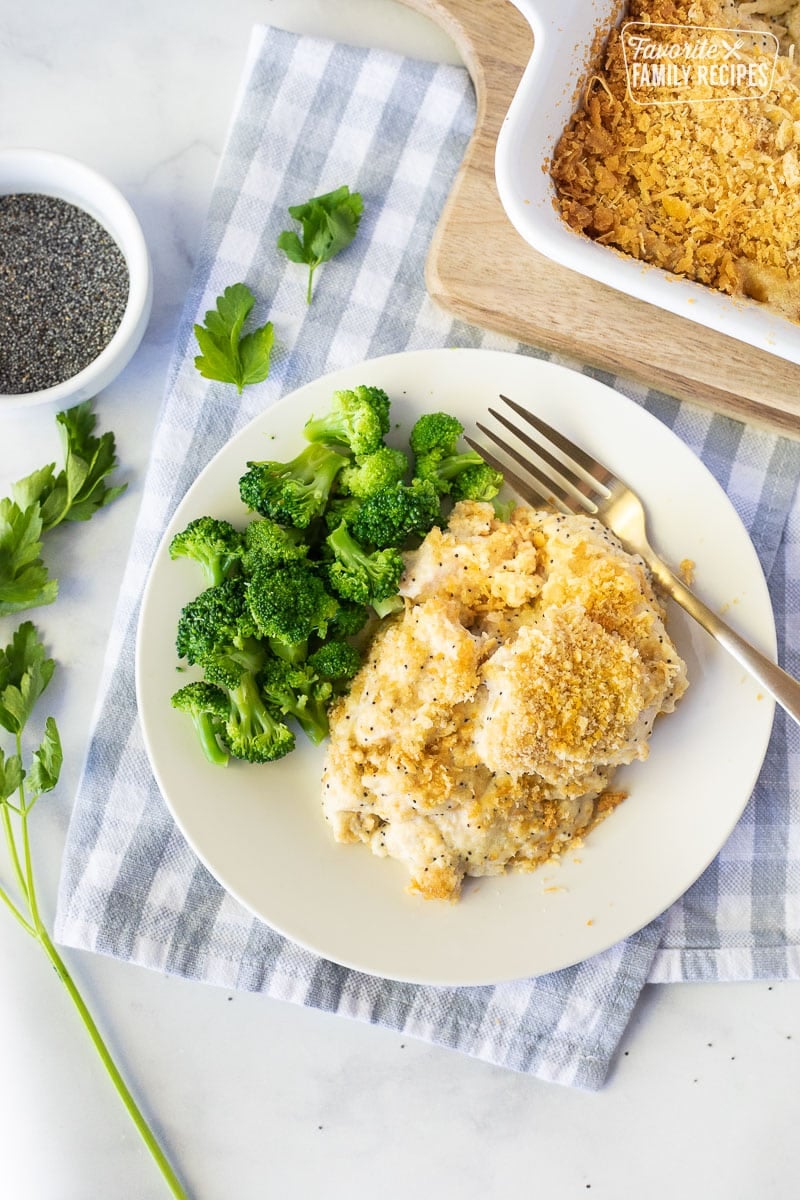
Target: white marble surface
<point x="254" y="1098"/>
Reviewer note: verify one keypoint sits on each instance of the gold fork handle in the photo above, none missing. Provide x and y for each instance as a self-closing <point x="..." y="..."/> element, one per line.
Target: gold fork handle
<point x="782" y="686"/>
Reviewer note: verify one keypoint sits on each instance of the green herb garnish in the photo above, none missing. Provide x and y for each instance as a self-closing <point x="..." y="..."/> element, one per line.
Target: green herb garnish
<point x="328" y="223"/>
<point x="228" y="355"/>
<point x="45" y="498"/>
<point x="25" y="672"/>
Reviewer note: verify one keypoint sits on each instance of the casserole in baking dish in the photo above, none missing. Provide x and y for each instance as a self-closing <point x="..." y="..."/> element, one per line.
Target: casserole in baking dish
<point x="660" y="231"/>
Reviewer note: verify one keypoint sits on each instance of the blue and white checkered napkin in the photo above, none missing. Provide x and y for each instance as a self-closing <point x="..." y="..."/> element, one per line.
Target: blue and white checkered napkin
<point x="311" y="116"/>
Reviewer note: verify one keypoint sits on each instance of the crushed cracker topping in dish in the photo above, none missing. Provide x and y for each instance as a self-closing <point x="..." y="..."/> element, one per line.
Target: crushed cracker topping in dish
<point x="709" y="190"/>
<point x="481" y="735"/>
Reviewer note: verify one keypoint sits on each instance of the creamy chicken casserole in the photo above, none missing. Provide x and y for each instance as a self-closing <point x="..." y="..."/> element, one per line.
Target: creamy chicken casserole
<point x="482" y="733"/>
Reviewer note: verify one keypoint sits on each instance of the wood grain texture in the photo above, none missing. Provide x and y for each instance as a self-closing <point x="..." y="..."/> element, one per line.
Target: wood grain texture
<point x="480" y="269"/>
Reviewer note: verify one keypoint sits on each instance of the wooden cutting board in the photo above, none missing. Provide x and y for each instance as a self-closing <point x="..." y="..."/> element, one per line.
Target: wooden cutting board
<point x="480" y="269"/>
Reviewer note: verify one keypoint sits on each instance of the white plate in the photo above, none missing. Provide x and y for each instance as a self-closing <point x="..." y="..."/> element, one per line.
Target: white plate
<point x="260" y="830"/>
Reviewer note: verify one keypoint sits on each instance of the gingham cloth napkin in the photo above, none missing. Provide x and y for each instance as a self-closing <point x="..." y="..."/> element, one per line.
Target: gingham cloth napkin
<point x="312" y="115"/>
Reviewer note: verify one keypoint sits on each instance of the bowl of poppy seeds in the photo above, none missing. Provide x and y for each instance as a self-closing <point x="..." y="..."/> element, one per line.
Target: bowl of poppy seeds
<point x="75" y="279"/>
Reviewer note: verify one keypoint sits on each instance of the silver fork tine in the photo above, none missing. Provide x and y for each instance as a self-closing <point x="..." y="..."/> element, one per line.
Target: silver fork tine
<point x="591" y="466"/>
<point x="531" y="491"/>
<point x="576" y="485"/>
<point x="552" y="489"/>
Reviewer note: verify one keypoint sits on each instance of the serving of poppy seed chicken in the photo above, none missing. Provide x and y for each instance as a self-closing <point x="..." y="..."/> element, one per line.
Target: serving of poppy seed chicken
<point x="482" y="732"/>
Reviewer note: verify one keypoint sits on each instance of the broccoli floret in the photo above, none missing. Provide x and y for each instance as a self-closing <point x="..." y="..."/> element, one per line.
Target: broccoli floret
<point x="288" y="605"/>
<point x="208" y="707"/>
<point x="298" y="691"/>
<point x="358" y="419"/>
<point x="214" y="622"/>
<point x="305" y="690"/>
<point x="366" y="577"/>
<point x="214" y="544"/>
<point x="371" y="472"/>
<point x="294" y="492"/>
<point x="336" y="661"/>
<point x="251" y="731"/>
<point x="265" y="541"/>
<point x="435" y="431"/>
<point x="434" y="441"/>
<point x="477" y="482"/>
<point x="341" y="508"/>
<point x="389" y="516"/>
<point x="349" y="620"/>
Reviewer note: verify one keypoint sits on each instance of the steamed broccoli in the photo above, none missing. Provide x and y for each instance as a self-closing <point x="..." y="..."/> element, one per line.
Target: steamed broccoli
<point x="477" y="482"/>
<point x="336" y="661"/>
<point x="392" y="514"/>
<point x="370" y="472"/>
<point x="208" y="707"/>
<point x="434" y="441"/>
<point x="341" y="508"/>
<point x="288" y="605"/>
<point x="251" y="731"/>
<point x="349" y="620"/>
<point x="292" y="492"/>
<point x="296" y="690"/>
<point x="265" y="541"/>
<point x="358" y="420"/>
<point x="214" y="544"/>
<point x="215" y="622"/>
<point x="368" y="578"/>
<point x="217" y="632"/>
<point x="436" y="431"/>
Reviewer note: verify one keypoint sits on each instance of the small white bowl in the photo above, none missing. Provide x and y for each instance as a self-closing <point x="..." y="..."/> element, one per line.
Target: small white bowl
<point x="40" y="171"/>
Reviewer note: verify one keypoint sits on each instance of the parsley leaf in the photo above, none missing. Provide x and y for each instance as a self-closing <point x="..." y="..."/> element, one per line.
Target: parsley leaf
<point x="24" y="674"/>
<point x="78" y="491"/>
<point x="46" y="764"/>
<point x="44" y="499"/>
<point x="24" y="581"/>
<point x="229" y="356"/>
<point x="11" y="775"/>
<point x="328" y="224"/>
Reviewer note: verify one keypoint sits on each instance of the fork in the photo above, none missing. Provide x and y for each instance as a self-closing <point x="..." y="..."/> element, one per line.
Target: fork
<point x="578" y="483"/>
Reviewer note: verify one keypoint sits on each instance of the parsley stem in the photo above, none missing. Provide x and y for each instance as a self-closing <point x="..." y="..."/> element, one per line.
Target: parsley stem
<point x="12" y="852"/>
<point x="310" y="281"/>
<point x="11" y="842"/>
<point x="15" y="912"/>
<point x="131" y="1106"/>
<point x="37" y="929"/>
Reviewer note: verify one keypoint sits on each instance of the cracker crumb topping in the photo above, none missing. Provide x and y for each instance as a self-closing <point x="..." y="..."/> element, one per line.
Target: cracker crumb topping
<point x="481" y="735"/>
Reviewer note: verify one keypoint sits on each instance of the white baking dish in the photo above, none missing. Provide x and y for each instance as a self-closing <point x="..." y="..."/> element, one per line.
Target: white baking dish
<point x="564" y="34"/>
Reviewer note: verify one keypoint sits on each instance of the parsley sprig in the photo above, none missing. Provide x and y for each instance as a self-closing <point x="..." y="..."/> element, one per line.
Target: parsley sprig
<point x="229" y="355"/>
<point x="46" y="498"/>
<point x="25" y="776"/>
<point x="328" y="224"/>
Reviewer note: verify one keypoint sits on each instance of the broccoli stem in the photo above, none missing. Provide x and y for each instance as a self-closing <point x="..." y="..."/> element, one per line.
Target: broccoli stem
<point x="454" y="464"/>
<point x="391" y="604"/>
<point x="290" y="652"/>
<point x="312" y="719"/>
<point x="208" y="740"/>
